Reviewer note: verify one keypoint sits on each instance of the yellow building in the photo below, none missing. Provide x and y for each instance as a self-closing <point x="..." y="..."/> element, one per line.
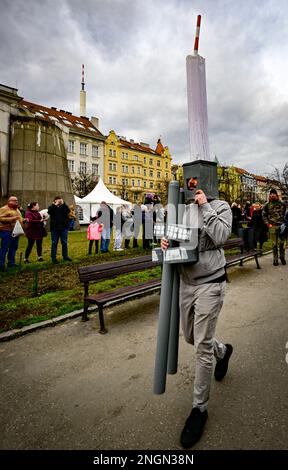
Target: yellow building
<point x="230" y="184"/>
<point x="133" y="169"/>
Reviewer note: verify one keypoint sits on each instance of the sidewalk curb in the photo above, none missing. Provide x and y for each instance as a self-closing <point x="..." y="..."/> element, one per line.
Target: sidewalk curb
<point x="16" y="333"/>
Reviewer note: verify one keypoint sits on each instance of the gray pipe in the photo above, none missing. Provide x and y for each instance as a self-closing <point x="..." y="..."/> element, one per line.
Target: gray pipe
<point x="165" y="302"/>
<point x="175" y="312"/>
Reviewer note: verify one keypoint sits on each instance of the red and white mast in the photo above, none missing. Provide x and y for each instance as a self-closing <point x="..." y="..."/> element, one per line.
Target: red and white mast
<point x="197" y="102"/>
<point x="82" y="95"/>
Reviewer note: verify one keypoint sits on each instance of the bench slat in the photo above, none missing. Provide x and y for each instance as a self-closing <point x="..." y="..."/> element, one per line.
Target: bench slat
<point x="105" y="297"/>
<point x="82" y="270"/>
<point x="116" y="271"/>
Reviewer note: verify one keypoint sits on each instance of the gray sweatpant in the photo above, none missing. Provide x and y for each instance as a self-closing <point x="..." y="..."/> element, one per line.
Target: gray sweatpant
<point x="200" y="307"/>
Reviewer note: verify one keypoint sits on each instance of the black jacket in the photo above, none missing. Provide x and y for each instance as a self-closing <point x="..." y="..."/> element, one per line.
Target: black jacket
<point x="59" y="216"/>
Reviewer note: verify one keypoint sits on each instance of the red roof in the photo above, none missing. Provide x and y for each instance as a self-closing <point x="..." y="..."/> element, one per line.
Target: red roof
<point x="52" y="115"/>
<point x="159" y="149"/>
<point x="241" y="171"/>
<point x="137" y="147"/>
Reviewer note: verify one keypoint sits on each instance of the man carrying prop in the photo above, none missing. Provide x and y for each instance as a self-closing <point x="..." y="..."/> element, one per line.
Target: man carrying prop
<point x="202" y="289"/>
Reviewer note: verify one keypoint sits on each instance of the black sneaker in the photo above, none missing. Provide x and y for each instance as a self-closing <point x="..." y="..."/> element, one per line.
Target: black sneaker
<point x="26" y="261"/>
<point x="283" y="260"/>
<point x="275" y="262"/>
<point x="193" y="428"/>
<point x="40" y="258"/>
<point x="222" y="365"/>
<point x="55" y="261"/>
<point x="67" y="259"/>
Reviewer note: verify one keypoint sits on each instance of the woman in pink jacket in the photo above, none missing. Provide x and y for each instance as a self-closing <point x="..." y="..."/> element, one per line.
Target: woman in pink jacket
<point x="94" y="233"/>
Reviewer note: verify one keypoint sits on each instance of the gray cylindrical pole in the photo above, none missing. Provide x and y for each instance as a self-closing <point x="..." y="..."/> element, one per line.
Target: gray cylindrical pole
<point x="174" y="327"/>
<point x="175" y="313"/>
<point x="165" y="302"/>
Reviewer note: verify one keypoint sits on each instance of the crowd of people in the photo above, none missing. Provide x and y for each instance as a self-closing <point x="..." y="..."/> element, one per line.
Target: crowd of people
<point x="129" y="224"/>
<point x="264" y="222"/>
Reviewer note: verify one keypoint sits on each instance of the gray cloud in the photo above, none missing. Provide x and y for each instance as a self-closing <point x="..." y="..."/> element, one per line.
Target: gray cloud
<point x="134" y="54"/>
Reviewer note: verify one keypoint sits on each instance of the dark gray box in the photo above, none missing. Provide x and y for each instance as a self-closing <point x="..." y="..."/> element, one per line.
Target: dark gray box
<point x="204" y="174"/>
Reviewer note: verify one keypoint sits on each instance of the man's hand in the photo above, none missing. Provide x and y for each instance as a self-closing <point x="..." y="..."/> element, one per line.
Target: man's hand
<point x="200" y="197"/>
<point x="164" y="244"/>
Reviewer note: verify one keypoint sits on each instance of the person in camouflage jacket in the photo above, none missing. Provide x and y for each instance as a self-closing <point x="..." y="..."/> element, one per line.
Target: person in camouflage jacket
<point x="273" y="216"/>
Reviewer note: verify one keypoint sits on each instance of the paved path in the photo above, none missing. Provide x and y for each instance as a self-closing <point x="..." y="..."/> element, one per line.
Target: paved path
<point x="68" y="387"/>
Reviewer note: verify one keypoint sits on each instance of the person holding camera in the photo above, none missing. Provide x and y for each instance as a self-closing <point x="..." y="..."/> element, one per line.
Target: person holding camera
<point x="59" y="223"/>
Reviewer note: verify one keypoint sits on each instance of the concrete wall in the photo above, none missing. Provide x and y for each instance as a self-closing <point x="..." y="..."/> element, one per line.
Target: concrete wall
<point x="38" y="169"/>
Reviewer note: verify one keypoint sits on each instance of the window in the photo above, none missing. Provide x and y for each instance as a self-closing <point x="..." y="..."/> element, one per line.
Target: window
<point x="71" y="146"/>
<point x="151" y="185"/>
<point x="133" y="183"/>
<point x="166" y="175"/>
<point x="138" y="170"/>
<point x="158" y="163"/>
<point x="71" y="165"/>
<point x="124" y="156"/>
<point x="150" y="162"/>
<point x="112" y="166"/>
<point x="83" y="148"/>
<point x="133" y="169"/>
<point x="158" y="174"/>
<point x="95" y="169"/>
<point x="145" y="172"/>
<point x="135" y="157"/>
<point x="125" y="181"/>
<point x="159" y="185"/>
<point x="151" y="174"/>
<point x="114" y="153"/>
<point x="166" y="165"/>
<point x="83" y="167"/>
<point x="95" y="150"/>
<point x="135" y="197"/>
<point x="110" y="152"/>
<point x="138" y="183"/>
<point x="144" y="184"/>
<point x="144" y="160"/>
<point x="112" y="180"/>
<point x="125" y="169"/>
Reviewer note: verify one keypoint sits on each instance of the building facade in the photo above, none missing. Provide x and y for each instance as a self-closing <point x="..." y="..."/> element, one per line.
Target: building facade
<point x="133" y="169"/>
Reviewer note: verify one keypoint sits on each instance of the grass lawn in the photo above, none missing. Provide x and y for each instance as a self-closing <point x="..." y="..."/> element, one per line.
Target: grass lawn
<point x="58" y="288"/>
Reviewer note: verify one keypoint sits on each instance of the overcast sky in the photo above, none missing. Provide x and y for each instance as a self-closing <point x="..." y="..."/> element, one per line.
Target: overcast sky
<point x="134" y="53"/>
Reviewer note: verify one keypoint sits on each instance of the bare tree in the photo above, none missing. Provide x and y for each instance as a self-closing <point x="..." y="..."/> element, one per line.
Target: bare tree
<point x="279" y="178"/>
<point x="83" y="183"/>
<point x="163" y="191"/>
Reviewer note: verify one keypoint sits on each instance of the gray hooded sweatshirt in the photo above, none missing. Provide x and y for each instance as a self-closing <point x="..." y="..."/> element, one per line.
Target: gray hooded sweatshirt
<point x="215" y="223"/>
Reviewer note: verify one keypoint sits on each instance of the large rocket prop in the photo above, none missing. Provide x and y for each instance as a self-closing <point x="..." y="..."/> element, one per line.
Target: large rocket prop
<point x="182" y="221"/>
<point x="197" y="102"/>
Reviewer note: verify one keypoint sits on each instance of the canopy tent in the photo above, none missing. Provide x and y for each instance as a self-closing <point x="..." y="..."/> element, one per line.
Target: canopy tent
<point x="88" y="205"/>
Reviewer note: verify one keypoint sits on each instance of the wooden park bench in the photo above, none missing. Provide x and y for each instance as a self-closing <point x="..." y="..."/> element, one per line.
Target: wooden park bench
<point x="242" y="255"/>
<point x="110" y="270"/>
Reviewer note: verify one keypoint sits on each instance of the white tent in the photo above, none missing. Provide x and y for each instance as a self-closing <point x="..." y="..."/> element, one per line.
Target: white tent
<point x="89" y="204"/>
